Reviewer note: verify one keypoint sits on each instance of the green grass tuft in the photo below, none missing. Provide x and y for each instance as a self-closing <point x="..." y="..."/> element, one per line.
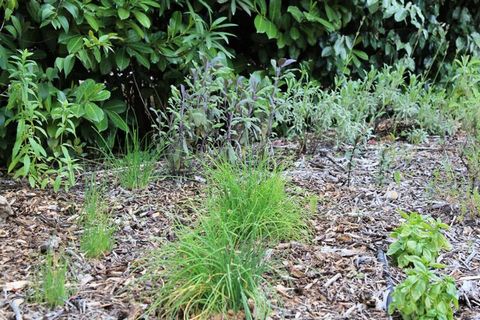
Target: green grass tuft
<point x="208" y="273"/>
<point x="136" y="167"/>
<point x="252" y="201"/>
<point x="217" y="268"/>
<point x="53" y="277"/>
<point x="97" y="237"/>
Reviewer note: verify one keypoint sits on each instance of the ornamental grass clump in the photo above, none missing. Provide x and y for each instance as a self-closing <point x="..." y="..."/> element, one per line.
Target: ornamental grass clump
<point x="252" y="201"/>
<point x="217" y="268"/>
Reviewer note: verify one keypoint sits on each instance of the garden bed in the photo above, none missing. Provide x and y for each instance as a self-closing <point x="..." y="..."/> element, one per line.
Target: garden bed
<point x="335" y="275"/>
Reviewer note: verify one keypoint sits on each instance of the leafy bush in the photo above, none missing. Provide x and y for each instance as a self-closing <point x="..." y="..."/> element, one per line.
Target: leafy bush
<point x="418" y="236"/>
<point x="218" y="108"/>
<point x="343" y="36"/>
<point x="216" y="269"/>
<point x="424" y="295"/>
<point x="138" y="49"/>
<point x="78" y="49"/>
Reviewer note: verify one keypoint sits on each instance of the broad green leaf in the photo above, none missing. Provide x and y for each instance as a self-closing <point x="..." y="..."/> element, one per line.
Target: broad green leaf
<point x="77" y="110"/>
<point x="114" y="105"/>
<point x="101" y="95"/>
<point x="59" y="63"/>
<point x="274" y="9"/>
<point x="331" y="14"/>
<point x="418" y="290"/>
<point x="102" y="125"/>
<point x="401" y="14"/>
<point x="68" y="64"/>
<point x="75" y="44"/>
<point x="294" y="33"/>
<point x="264" y="25"/>
<point x="64" y="22"/>
<point x="122" y="59"/>
<point x="362" y="55"/>
<point x="92" y="21"/>
<point x="93" y="112"/>
<point x="123" y="13"/>
<point x="117" y="120"/>
<point x="142" y="18"/>
<point x="296" y="13"/>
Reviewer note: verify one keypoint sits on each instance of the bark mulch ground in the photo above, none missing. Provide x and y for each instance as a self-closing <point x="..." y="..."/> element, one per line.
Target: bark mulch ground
<point x="338" y="274"/>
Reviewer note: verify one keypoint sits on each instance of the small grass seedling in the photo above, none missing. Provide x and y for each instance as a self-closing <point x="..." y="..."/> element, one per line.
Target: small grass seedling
<point x="397" y="177"/>
<point x="136" y="167"/>
<point x="419" y="236"/>
<point x="52" y="288"/>
<point x="97" y="237"/>
<point x="387" y="157"/>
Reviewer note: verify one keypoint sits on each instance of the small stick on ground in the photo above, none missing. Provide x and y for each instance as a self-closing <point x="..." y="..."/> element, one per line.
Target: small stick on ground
<point x="15" y="305"/>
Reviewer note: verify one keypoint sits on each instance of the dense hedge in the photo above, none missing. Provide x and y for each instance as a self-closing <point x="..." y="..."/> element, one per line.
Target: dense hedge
<point x="87" y="61"/>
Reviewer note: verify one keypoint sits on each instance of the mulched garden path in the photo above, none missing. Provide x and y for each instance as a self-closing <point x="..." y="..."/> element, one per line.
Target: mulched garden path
<point x="338" y="274"/>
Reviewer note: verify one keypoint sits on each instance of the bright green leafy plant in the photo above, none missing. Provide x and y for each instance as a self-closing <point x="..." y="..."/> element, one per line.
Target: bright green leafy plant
<point x="47" y="122"/>
<point x="418" y="236"/>
<point x="424" y="295"/>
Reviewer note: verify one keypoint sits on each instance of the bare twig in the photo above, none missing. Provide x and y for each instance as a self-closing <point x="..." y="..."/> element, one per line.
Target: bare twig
<point x="15" y="305"/>
<point x="388" y="295"/>
<point x="332" y="280"/>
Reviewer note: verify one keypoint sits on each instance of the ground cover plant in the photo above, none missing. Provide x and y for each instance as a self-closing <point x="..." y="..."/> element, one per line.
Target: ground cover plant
<point x="423" y="294"/>
<point x="99" y="58"/>
<point x="217" y="268"/>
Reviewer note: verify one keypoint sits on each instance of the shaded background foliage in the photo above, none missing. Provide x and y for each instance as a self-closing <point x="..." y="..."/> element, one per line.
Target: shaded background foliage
<point x="138" y="48"/>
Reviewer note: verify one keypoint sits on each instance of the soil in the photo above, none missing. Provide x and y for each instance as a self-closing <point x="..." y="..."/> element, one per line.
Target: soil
<point x="340" y="273"/>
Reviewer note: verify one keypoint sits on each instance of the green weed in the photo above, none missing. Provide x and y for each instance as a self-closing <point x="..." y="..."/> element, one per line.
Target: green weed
<point x="419" y="236"/>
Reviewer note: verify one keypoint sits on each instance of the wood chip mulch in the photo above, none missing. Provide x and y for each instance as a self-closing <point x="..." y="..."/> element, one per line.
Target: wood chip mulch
<point x="338" y="274"/>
